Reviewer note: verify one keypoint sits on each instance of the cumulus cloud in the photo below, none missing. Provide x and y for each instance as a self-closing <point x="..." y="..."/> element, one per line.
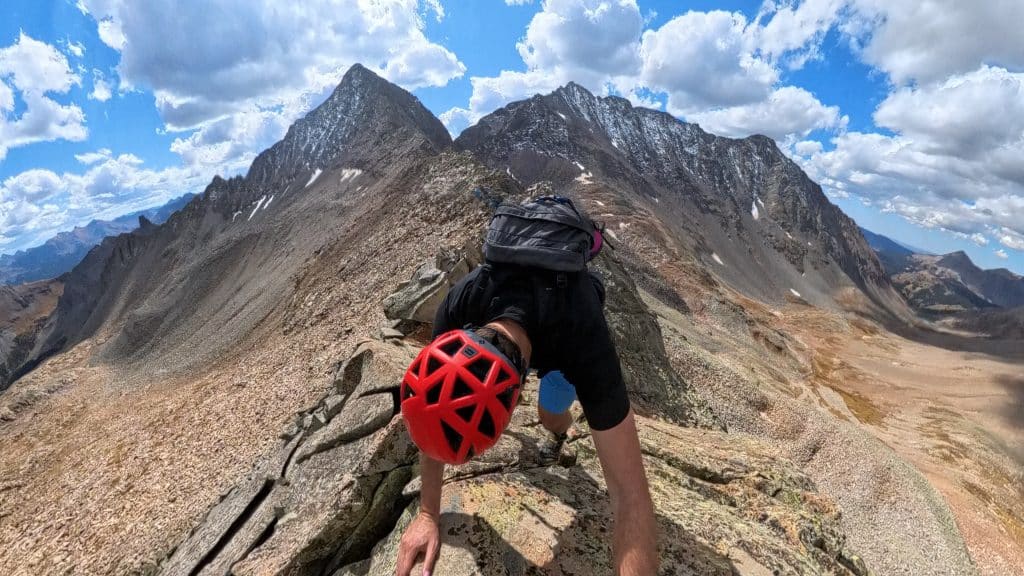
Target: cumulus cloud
<point x="588" y="41"/>
<point x="35" y="69"/>
<point x="100" y="87"/>
<point x="926" y="42"/>
<point x="952" y="161"/>
<point x="1001" y="254"/>
<point x="794" y="32"/>
<point x="788" y="111"/>
<point x="208" y="59"/>
<point x="1011" y="239"/>
<point x="706" y="66"/>
<point x="704" y="60"/>
<point x="208" y="63"/>
<point x="595" y="43"/>
<point x="968" y="116"/>
<point x="36" y="204"/>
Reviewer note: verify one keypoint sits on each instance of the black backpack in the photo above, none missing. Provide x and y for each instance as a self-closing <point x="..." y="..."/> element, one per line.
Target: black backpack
<point x="547" y="232"/>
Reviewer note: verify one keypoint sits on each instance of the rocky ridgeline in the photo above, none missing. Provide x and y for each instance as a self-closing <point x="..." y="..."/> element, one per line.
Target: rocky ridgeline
<point x="335" y="496"/>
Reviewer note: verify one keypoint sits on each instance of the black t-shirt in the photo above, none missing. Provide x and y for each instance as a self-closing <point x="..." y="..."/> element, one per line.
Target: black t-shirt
<point x="563" y="316"/>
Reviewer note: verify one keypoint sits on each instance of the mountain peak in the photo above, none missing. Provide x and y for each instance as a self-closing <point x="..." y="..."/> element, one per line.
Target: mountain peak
<point x="365" y="116"/>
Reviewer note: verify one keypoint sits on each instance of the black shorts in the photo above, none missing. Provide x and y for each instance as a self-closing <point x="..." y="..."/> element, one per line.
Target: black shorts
<point x="563" y="315"/>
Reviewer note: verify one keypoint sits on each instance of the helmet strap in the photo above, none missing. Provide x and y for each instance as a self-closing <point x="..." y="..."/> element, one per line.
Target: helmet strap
<point x="505" y="345"/>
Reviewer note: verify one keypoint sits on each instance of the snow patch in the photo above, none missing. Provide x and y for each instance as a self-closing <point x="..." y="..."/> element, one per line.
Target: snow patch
<point x="314" y="177"/>
<point x="715" y="257"/>
<point x="623" y="225"/>
<point x="599" y="203"/>
<point x="257" y="208"/>
<point x="585" y="177"/>
<point x="754" y="212"/>
<point x="235" y="215"/>
<point x="612" y="234"/>
<point x="759" y="201"/>
<point x="268" y="202"/>
<point x="795" y="293"/>
<point x="349" y="174"/>
<point x="788" y="235"/>
<point x="562" y="115"/>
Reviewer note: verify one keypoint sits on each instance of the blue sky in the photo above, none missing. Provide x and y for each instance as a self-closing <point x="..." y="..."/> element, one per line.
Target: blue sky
<point x="911" y="116"/>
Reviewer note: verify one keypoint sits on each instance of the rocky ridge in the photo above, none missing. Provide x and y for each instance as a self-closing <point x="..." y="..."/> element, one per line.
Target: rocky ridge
<point x="62" y="252"/>
<point x="343" y="475"/>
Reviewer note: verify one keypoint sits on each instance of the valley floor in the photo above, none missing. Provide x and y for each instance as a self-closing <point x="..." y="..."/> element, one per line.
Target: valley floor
<point x="957" y="416"/>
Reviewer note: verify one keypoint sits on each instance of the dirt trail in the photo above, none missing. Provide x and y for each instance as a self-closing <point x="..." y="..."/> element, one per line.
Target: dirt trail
<point x="957" y="416"/>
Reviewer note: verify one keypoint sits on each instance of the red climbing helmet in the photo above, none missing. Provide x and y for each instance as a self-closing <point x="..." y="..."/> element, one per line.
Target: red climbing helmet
<point x="458" y="396"/>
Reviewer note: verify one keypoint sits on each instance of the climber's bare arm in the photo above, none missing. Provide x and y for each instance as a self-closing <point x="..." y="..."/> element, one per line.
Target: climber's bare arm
<point x="423" y="537"/>
<point x="636" y="541"/>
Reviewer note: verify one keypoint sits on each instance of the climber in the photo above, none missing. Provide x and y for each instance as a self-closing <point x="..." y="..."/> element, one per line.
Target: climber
<point x="532" y="304"/>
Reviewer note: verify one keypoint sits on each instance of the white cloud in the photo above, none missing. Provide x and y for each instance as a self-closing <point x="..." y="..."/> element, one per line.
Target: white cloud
<point x="36" y="69"/>
<point x="591" y="42"/>
<point x="928" y="41"/>
<point x="77" y="49"/>
<point x="32" y="185"/>
<point x="211" y="59"/>
<point x="953" y="161"/>
<point x="100" y="88"/>
<point x="1001" y="254"/>
<point x="518" y="2"/>
<point x="788" y="111"/>
<point x="209" y="62"/>
<point x="978" y="238"/>
<point x="231" y="143"/>
<point x="1011" y="239"/>
<point x="703" y="60"/>
<point x="94" y="157"/>
<point x="36" y="204"/>
<point x="794" y="32"/>
<point x="587" y="41"/>
<point x="967" y="116"/>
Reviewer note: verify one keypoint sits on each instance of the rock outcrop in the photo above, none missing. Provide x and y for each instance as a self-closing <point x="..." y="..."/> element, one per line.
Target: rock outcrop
<point x="330" y="500"/>
<point x="329" y="490"/>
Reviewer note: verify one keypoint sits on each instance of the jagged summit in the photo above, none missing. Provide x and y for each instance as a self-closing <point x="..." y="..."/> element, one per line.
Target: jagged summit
<point x="364" y="115"/>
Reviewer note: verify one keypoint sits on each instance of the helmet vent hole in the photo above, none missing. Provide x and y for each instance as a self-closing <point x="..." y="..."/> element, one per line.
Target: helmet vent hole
<point x="407" y="392"/>
<point x="415" y="368"/>
<point x="452" y="436"/>
<point x="480" y="368"/>
<point x="434" y="394"/>
<point x="433" y="364"/>
<point x="504" y="376"/>
<point x="487" y="424"/>
<point x="506" y="396"/>
<point x="461" y="389"/>
<point x="466" y="413"/>
<point x="451" y="348"/>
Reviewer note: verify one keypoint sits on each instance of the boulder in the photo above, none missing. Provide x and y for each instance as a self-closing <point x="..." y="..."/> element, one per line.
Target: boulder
<point x="417" y="299"/>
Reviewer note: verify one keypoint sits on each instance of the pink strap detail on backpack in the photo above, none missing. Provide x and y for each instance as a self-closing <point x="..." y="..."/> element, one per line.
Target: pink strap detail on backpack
<point x="598" y="242"/>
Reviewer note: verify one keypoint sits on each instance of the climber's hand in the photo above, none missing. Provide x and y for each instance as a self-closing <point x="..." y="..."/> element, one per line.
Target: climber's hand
<point x="421" y="537"/>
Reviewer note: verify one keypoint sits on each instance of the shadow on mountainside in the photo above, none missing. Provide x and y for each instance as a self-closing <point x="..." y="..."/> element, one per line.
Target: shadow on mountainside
<point x="1001" y="348"/>
<point x="1013" y="411"/>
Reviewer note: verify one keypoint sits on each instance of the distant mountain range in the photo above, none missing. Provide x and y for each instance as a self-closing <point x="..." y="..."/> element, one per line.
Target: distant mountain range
<point x="65" y="250"/>
<point x="946" y="284"/>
